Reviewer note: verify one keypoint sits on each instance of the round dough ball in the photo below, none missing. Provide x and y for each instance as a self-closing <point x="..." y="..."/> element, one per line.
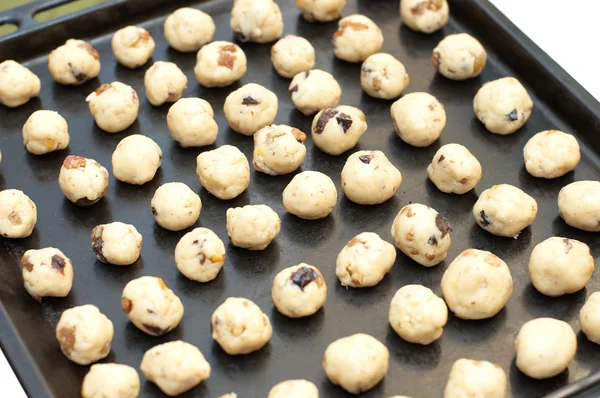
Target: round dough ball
<point x="336" y="130"/>
<point x="310" y="195"/>
<point x="259" y="21"/>
<point x="114" y="106"/>
<point x="220" y="64"/>
<point x="164" y="82"/>
<point x="589" y="318"/>
<point x="18" y="214"/>
<point x="175" y="206"/>
<point x="83" y="181"/>
<point x="299" y="291"/>
<point x="175" y="367"/>
<point x="188" y="29"/>
<point x="240" y="326"/>
<point x="579" y="205"/>
<point x="74" y="63"/>
<point x="314" y="90"/>
<point x="545" y="347"/>
<point x="45" y="132"/>
<point x="17" y="84"/>
<point x="551" y="154"/>
<point x="504" y="210"/>
<point x="151" y="306"/>
<point x="111" y="380"/>
<point x="136" y="159"/>
<point x="292" y="55"/>
<point x="321" y="10"/>
<point x="229" y="395"/>
<point x="459" y="57"/>
<point x="454" y="169"/>
<point x="357" y="38"/>
<point x="294" y="389"/>
<point x="502" y="105"/>
<point x="191" y="122"/>
<point x="224" y="172"/>
<point x="250" y="108"/>
<point x="252" y="227"/>
<point x="116" y="243"/>
<point x="132" y="46"/>
<point x="469" y="378"/>
<point x="356" y="363"/>
<point x="278" y="149"/>
<point x="419" y="119"/>
<point x="47" y="273"/>
<point x="200" y="255"/>
<point x="418" y="315"/>
<point x="477" y="285"/>
<point x="369" y="178"/>
<point x="383" y="76"/>
<point x="426" y="16"/>
<point x="84" y="334"/>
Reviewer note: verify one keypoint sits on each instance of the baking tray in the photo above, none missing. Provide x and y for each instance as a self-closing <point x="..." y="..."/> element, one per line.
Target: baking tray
<point x="297" y="346"/>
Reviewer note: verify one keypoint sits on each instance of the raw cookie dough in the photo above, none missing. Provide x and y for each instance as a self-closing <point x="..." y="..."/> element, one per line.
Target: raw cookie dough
<point x="252" y="227"/>
<point x="426" y="16"/>
<point x="132" y="46"/>
<point x="164" y="82"/>
<point x="191" y="122"/>
<point x="357" y="38"/>
<point x="383" y="76"/>
<point x="17" y="84"/>
<point x="200" y="255"/>
<point x="83" y="181"/>
<point x="188" y="29"/>
<point x="292" y="55"/>
<point x="175" y="206"/>
<point x="310" y="195"/>
<point x="230" y="395"/>
<point x="314" y="90"/>
<point x="114" y="106"/>
<point x="116" y="243"/>
<point x="551" y="154"/>
<point x="250" y="108"/>
<point x="111" y="380"/>
<point x="278" y="149"/>
<point x="481" y="379"/>
<point x="321" y="10"/>
<point x="136" y="159"/>
<point x="220" y="64"/>
<point x="579" y="205"/>
<point x="18" y="214"/>
<point x="338" y="129"/>
<point x="224" y="172"/>
<point x="459" y="57"/>
<point x="240" y="326"/>
<point x="44" y="132"/>
<point x="151" y="306"/>
<point x="589" y="318"/>
<point x="419" y="118"/>
<point x="454" y="169"/>
<point x="259" y="21"/>
<point x="294" y="389"/>
<point x="75" y="62"/>
<point x="477" y="285"/>
<point x="47" y="273"/>
<point x="299" y="291"/>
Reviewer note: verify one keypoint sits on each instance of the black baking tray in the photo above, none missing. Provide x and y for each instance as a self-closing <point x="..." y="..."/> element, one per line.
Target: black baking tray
<point x="297" y="346"/>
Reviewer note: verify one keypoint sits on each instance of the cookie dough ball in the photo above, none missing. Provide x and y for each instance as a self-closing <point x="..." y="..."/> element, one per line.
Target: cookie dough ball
<point x="74" y="63"/>
<point x="191" y="122"/>
<point x="175" y="367"/>
<point x="114" y="106"/>
<point x="299" y="291"/>
<point x="503" y="105"/>
<point x="220" y="64"/>
<point x="18" y="214"/>
<point x="365" y="260"/>
<point x="454" y="169"/>
<point x="17" y="84"/>
<point x="314" y="90"/>
<point x="250" y="108"/>
<point x="44" y="132"/>
<point x="310" y="195"/>
<point x="321" y="10"/>
<point x="504" y="210"/>
<point x="259" y="21"/>
<point x="240" y="326"/>
<point x="426" y="16"/>
<point x="383" y="76"/>
<point x="579" y="205"/>
<point x="356" y="363"/>
<point x="294" y="389"/>
<point x="252" y="227"/>
<point x="111" y="380"/>
<point x="229" y="395"/>
<point x="589" y="318"/>
<point x="469" y="378"/>
<point x="136" y="159"/>
<point x="84" y="334"/>
<point x="175" y="206"/>
<point x="164" y="82"/>
<point x="459" y="57"/>
<point x="292" y="55"/>
<point x="188" y="29"/>
<point x="83" y="181"/>
<point x="224" y="172"/>
<point x="477" y="285"/>
<point x="132" y="46"/>
<point x="545" y="347"/>
<point x="200" y="255"/>
<point x="116" y="243"/>
<point x="335" y="130"/>
<point x="151" y="306"/>
<point x="357" y="38"/>
<point x="369" y="178"/>
<point x="419" y="118"/>
<point x="278" y="149"/>
<point x="551" y="154"/>
<point x="47" y="273"/>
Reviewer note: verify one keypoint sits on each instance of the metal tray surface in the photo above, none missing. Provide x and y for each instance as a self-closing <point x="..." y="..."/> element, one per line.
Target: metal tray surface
<point x="297" y="346"/>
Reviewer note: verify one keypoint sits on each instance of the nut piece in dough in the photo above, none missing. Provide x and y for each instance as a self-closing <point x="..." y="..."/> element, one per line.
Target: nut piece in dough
<point x="321" y="10"/>
<point x="111" y="380"/>
<point x="310" y="195"/>
<point x="459" y="57"/>
<point x="136" y="159"/>
<point x="294" y="389"/>
<point x="259" y="21"/>
<point x="365" y="260"/>
<point x="220" y="64"/>
<point x="116" y="243"/>
<point x="419" y="119"/>
<point x="250" y="108"/>
<point x="175" y="206"/>
<point x="164" y="82"/>
<point x="47" y="273"/>
<point x="278" y="149"/>
<point x="83" y="181"/>
<point x="470" y="378"/>
<point x="188" y="29"/>
<point x="551" y="154"/>
<point x="454" y="169"/>
<point x="589" y="318"/>
<point x="357" y="38"/>
<point x="224" y="172"/>
<point x="383" y="76"/>
<point x="292" y="55"/>
<point x="44" y="132"/>
<point x="426" y="16"/>
<point x="314" y="90"/>
<point x="114" y="106"/>
<point x="74" y="63"/>
<point x="299" y="291"/>
<point x="579" y="205"/>
<point x="17" y="84"/>
<point x="191" y="122"/>
<point x="336" y="130"/>
<point x="200" y="255"/>
<point x="18" y="214"/>
<point x="132" y="46"/>
<point x="252" y="227"/>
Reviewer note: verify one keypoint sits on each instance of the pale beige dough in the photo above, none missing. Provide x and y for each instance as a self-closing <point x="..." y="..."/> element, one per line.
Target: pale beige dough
<point x="111" y="380"/>
<point x="383" y="76"/>
<point x="252" y="227"/>
<point x="229" y="395"/>
<point x="419" y="119"/>
<point x="164" y="82"/>
<point x="175" y="206"/>
<point x="114" y="106"/>
<point x="278" y="149"/>
<point x="551" y="154"/>
<point x="188" y="29"/>
<point x="338" y="129"/>
<point x="314" y="90"/>
<point x="116" y="243"/>
<point x="299" y="291"/>
<point x="579" y="205"/>
<point x="47" y="273"/>
<point x="477" y="379"/>
<point x="589" y="318"/>
<point x="292" y="55"/>
<point x="18" y="84"/>
<point x="224" y="172"/>
<point x="191" y="122"/>
<point x="426" y="16"/>
<point x="83" y="181"/>
<point x="45" y="132"/>
<point x="459" y="57"/>
<point x="136" y="159"/>
<point x="310" y="195"/>
<point x="132" y="46"/>
<point x="18" y="214"/>
<point x="259" y="21"/>
<point x="200" y="255"/>
<point x="220" y="64"/>
<point x="321" y="10"/>
<point x="250" y="108"/>
<point x="74" y="63"/>
<point x="454" y="169"/>
<point x="357" y="38"/>
<point x="294" y="389"/>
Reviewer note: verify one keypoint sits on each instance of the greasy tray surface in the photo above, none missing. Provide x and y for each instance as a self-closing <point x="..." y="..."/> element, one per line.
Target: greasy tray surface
<point x="297" y="346"/>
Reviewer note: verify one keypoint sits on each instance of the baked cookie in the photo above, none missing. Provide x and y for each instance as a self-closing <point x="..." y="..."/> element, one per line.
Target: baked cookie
<point x="200" y="255"/>
<point x="116" y="243"/>
<point x="132" y="46"/>
<point x="469" y="378"/>
<point x="220" y="64"/>
<point x="314" y="90"/>
<point x="164" y="82"/>
<point x="45" y="132"/>
<point x="224" y="172"/>
<point x="426" y="16"/>
<point x="321" y="10"/>
<point x="259" y="21"/>
<point x="454" y="169"/>
<point x="292" y="55"/>
<point x="250" y="108"/>
<point x="579" y="205"/>
<point x="459" y="57"/>
<point x="589" y="318"/>
<point x="47" y="273"/>
<point x="18" y="84"/>
<point x="111" y="380"/>
<point x="18" y="214"/>
<point x="175" y="206"/>
<point x="136" y="159"/>
<point x="278" y="149"/>
<point x="191" y="122"/>
<point x="551" y="154"/>
<point x="310" y="195"/>
<point x="294" y="389"/>
<point x="188" y="29"/>
<point x="383" y="76"/>
<point x="299" y="291"/>
<point x="74" y="63"/>
<point x="338" y="129"/>
<point x="357" y="38"/>
<point x="419" y="118"/>
<point x="114" y="106"/>
<point x="252" y="227"/>
<point x="83" y="181"/>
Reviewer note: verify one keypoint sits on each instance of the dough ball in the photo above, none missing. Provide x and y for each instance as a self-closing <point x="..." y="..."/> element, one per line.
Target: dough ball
<point x="240" y="326"/>
<point x="136" y="159"/>
<point x="224" y="172"/>
<point x="314" y="90"/>
<point x="44" y="132"/>
<point x="418" y="315"/>
<point x="469" y="378"/>
<point x="365" y="260"/>
<point x="503" y="105"/>
<point x="116" y="243"/>
<point x="111" y="380"/>
<point x="459" y="57"/>
<point x="310" y="195"/>
<point x="220" y="64"/>
<point x="252" y="227"/>
<point x="151" y="306"/>
<point x="477" y="284"/>
<point x="191" y="122"/>
<point x="278" y="149"/>
<point x="83" y="181"/>
<point x="383" y="76"/>
<point x="47" y="273"/>
<point x="164" y="82"/>
<point x="18" y="214"/>
<point x="132" y="46"/>
<point x="259" y="21"/>
<point x="84" y="334"/>
<point x="114" y="106"/>
<point x="17" y="84"/>
<point x="589" y="318"/>
<point x="74" y="63"/>
<point x="188" y="29"/>
<point x="551" y="154"/>
<point x="229" y="395"/>
<point x="175" y="367"/>
<point x="545" y="347"/>
<point x="299" y="291"/>
<point x="175" y="206"/>
<point x="419" y="118"/>
<point x="579" y="205"/>
<point x="426" y="16"/>
<point x="357" y="38"/>
<point x="250" y="108"/>
<point x="356" y="363"/>
<point x="504" y="210"/>
<point x="454" y="169"/>
<point x="292" y="55"/>
<point x="294" y="389"/>
<point x="321" y="10"/>
<point x="200" y="255"/>
<point x="369" y="178"/>
<point x="336" y="130"/>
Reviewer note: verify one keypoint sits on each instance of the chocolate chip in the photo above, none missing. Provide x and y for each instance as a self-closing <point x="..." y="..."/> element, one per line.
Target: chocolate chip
<point x="250" y="101"/>
<point x="74" y="162"/>
<point x="195" y="242"/>
<point x="225" y="58"/>
<point x="485" y="220"/>
<point x="366" y="159"/>
<point x="432" y="240"/>
<point x="154" y="211"/>
<point x="97" y="246"/>
<point x="443" y="225"/>
<point x="126" y="305"/>
<point x="441" y="159"/>
<point x="306" y="74"/>
<point x="436" y="60"/>
<point x="240" y="36"/>
<point x="28" y="265"/>
<point x="58" y="263"/>
<point x="103" y="88"/>
<point x="303" y="277"/>
<point x="326" y="115"/>
<point x="345" y="121"/>
<point x="202" y="258"/>
<point x="91" y="50"/>
<point x="568" y="244"/>
<point x="155" y="330"/>
<point x="513" y="115"/>
<point x="66" y="338"/>
<point x="85" y="202"/>
<point x="293" y="89"/>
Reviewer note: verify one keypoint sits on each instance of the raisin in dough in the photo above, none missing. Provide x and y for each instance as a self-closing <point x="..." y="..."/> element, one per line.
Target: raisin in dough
<point x="200" y="255"/>
<point x="250" y="108"/>
<point x="175" y="206"/>
<point x="477" y="284"/>
<point x="191" y="122"/>
<point x="314" y="90"/>
<point x="278" y="149"/>
<point x="114" y="106"/>
<point x="47" y="273"/>
<point x="294" y="389"/>
<point x="240" y="327"/>
<point x="224" y="172"/>
<point x="365" y="260"/>
<point x="579" y="205"/>
<point x="336" y="130"/>
<point x="551" y="154"/>
<point x="151" y="306"/>
<point x="111" y="380"/>
<point x="454" y="169"/>
<point x="74" y="63"/>
<point x="310" y="195"/>
<point x="321" y="10"/>
<point x="84" y="334"/>
<point x="459" y="57"/>
<point x="45" y="132"/>
<point x="132" y="46"/>
<point x="426" y="16"/>
<point x="356" y="363"/>
<point x="136" y="159"/>
<point x="116" y="243"/>
<point x="164" y="82"/>
<point x="188" y="29"/>
<point x="383" y="76"/>
<point x="252" y="227"/>
<point x="299" y="291"/>
<point x="18" y="214"/>
<point x="259" y="21"/>
<point x="502" y="105"/>
<point x="292" y="55"/>
<point x="589" y="318"/>
<point x="470" y="378"/>
<point x="357" y="38"/>
<point x="18" y="84"/>
<point x="83" y="181"/>
<point x="220" y="64"/>
<point x="419" y="119"/>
